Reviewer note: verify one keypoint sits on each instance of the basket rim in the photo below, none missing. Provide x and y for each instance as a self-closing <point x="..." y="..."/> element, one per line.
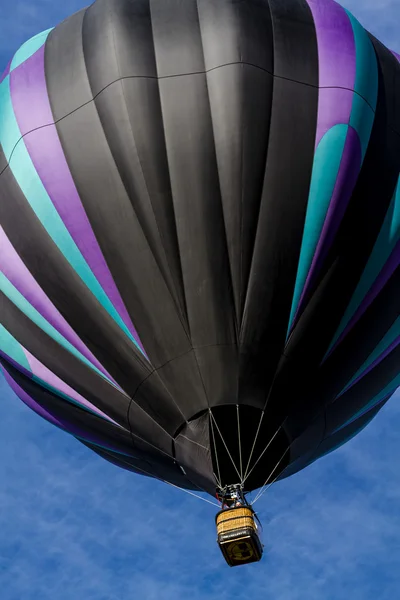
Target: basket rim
<point x="233" y="508"/>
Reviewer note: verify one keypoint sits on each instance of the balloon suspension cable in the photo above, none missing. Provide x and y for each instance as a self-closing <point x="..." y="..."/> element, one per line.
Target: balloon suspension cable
<point x="168" y="482"/>
<point x="259" y="426"/>
<point x="240" y="443"/>
<point x="268" y="484"/>
<point x="218" y="479"/>
<point x="263" y="452"/>
<point x="238" y="489"/>
<point x="254" y="445"/>
<point x="191" y="493"/>
<point x="226" y="447"/>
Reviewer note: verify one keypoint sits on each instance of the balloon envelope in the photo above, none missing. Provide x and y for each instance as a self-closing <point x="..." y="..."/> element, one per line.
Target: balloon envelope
<point x="199" y="233"/>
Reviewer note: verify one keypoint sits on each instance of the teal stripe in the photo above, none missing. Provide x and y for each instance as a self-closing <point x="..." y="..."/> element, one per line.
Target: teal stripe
<point x="384" y="246"/>
<point x="29" y="48"/>
<point x="326" y="167"/>
<point x="38" y="198"/>
<point x="9" y="130"/>
<point x="10" y="346"/>
<point x="64" y="396"/>
<point x="348" y="439"/>
<point x="387" y="391"/>
<point x="105" y="448"/>
<point x="362" y="120"/>
<point x="387" y="340"/>
<point x="25" y="307"/>
<point x="366" y="85"/>
<point x="13" y="349"/>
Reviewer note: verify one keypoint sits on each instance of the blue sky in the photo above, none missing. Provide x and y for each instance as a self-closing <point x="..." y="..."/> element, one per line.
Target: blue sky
<point x="74" y="527"/>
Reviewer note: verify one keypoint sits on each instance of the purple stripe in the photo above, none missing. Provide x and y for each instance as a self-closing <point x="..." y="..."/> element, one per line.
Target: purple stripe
<point x="337" y="64"/>
<point x="16" y="365"/>
<point x="334" y="108"/>
<point x="378" y="360"/>
<point x="41" y="371"/>
<point x="45" y="414"/>
<point x="345" y="183"/>
<point x="389" y="268"/>
<point x="6" y="72"/>
<point x="17" y="273"/>
<point x="29" y="401"/>
<point x="396" y="55"/>
<point x="336" y="46"/>
<point x="33" y="112"/>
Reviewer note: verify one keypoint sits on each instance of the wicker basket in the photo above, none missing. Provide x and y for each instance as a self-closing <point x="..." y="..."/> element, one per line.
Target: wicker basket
<point x="237" y="536"/>
<point x="235" y="518"/>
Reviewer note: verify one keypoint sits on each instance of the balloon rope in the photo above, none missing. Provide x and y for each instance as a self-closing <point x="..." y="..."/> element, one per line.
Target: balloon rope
<point x="254" y="445"/>
<point x="216" y="453"/>
<point x="240" y="444"/>
<point x="259" y="425"/>
<point x="226" y="447"/>
<point x="263" y="452"/>
<point x="191" y="493"/>
<point x="265" y="487"/>
<point x="167" y="482"/>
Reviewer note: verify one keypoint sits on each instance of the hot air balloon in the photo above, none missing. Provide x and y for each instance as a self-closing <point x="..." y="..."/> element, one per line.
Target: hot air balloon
<point x="199" y="238"/>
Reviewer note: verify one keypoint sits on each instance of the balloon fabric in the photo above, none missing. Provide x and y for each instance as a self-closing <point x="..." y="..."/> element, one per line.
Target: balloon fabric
<point x="200" y="233"/>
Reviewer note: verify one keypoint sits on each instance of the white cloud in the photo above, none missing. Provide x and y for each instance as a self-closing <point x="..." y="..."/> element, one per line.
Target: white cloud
<point x="73" y="526"/>
<point x="26" y="18"/>
<point x="380" y="17"/>
<point x="22" y="19"/>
